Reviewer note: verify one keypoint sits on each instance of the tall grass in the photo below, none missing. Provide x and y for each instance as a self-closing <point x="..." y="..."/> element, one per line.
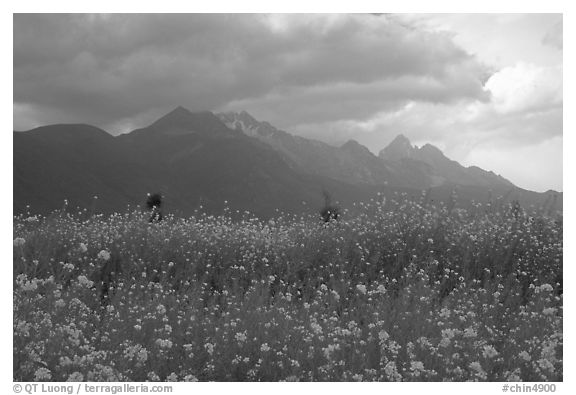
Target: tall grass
<point x="404" y="291"/>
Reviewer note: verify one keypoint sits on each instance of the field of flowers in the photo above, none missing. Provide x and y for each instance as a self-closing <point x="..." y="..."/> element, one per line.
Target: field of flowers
<point x="401" y="292"/>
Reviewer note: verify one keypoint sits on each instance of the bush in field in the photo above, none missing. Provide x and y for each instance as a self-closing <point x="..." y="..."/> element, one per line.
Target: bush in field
<point x="154" y="203"/>
<point x="330" y="211"/>
<point x="404" y="291"/>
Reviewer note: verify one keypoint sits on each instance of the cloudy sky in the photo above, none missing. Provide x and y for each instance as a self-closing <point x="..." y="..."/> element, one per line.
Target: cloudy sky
<point x="485" y="88"/>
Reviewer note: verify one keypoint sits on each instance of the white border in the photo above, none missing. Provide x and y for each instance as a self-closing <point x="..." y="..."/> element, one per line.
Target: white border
<point x="243" y="6"/>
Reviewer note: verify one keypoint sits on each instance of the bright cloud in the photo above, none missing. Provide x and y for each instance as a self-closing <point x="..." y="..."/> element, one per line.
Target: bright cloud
<point x="526" y="87"/>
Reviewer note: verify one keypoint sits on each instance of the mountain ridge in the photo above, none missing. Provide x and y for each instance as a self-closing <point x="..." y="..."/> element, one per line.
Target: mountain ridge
<point x="196" y="160"/>
<point x="401" y="164"/>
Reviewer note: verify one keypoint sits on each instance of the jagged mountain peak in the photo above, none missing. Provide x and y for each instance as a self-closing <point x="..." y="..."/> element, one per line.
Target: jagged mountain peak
<point x="401" y="139"/>
<point x="237" y="114"/>
<point x="431" y="151"/>
<point x="247" y="124"/>
<point x="401" y="142"/>
<point x="351" y="143"/>
<point x="399" y="148"/>
<point x="181" y="115"/>
<point x="430" y="147"/>
<point x="182" y="121"/>
<point x="243" y="115"/>
<point x="181" y="109"/>
<point x="246" y="114"/>
<point x="354" y="146"/>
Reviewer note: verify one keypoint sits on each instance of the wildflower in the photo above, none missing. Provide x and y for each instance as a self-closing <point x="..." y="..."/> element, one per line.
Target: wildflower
<point x="152" y="376"/>
<point x="240" y="337"/>
<point x="444" y="313"/>
<point x="525" y="356"/>
<point x="23" y="328"/>
<point x="160" y="309"/>
<point x="383" y="335"/>
<point x="477" y="368"/>
<point x="328" y="351"/>
<point x="209" y="348"/>
<point x="19" y="241"/>
<point x="381" y="289"/>
<point x="361" y="288"/>
<point x="448" y="333"/>
<point x="392" y="371"/>
<point x="172" y="377"/>
<point x="104" y="255"/>
<point x="137" y="327"/>
<point x="336" y="295"/>
<point x="548" y="350"/>
<point x="549" y="311"/>
<point x="76" y="377"/>
<point x="470" y="332"/>
<point x="489" y="352"/>
<point x="545" y="364"/>
<point x="42" y="374"/>
<point x="190" y="378"/>
<point x="416" y="367"/>
<point x="544" y="287"/>
<point x="142" y="355"/>
<point x="83" y="247"/>
<point x="445" y="342"/>
<point x="29" y="285"/>
<point x="164" y="343"/>
<point x="83" y="281"/>
<point x="265" y="347"/>
<point x="316" y="328"/>
<point x="513" y="376"/>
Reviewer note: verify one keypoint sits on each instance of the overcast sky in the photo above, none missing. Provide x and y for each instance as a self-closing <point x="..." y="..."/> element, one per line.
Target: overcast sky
<point x="485" y="88"/>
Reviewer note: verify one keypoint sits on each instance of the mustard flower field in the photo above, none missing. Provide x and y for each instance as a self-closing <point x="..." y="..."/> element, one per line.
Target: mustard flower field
<point x="400" y="292"/>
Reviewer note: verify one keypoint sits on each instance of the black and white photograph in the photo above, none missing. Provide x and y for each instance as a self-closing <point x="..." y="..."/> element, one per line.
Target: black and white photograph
<point x="287" y="197"/>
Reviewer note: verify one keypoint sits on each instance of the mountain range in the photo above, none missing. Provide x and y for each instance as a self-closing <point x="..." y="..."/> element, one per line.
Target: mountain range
<point x="398" y="164"/>
<point x="206" y="161"/>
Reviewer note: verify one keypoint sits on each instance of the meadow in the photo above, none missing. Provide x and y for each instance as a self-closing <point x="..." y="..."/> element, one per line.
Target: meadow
<point x="400" y="291"/>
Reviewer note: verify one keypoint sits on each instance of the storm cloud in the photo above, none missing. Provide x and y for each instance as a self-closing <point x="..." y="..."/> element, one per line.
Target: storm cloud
<point x="106" y="68"/>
